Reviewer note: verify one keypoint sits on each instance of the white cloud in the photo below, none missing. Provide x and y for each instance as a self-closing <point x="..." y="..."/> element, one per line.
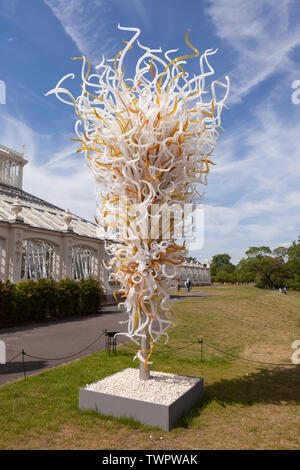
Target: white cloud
<point x="14" y="133"/>
<point x="73" y="191"/>
<point x="64" y="158"/>
<point x="86" y="23"/>
<point x="227" y="230"/>
<point x="261" y="36"/>
<point x="64" y="180"/>
<point x="253" y="196"/>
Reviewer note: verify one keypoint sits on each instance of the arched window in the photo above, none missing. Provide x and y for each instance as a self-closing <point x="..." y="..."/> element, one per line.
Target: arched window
<point x="38" y="259"/>
<point x="83" y="262"/>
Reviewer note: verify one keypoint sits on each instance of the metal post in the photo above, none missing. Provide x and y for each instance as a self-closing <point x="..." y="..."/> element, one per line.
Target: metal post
<point x="111" y="342"/>
<point x="23" y="354"/>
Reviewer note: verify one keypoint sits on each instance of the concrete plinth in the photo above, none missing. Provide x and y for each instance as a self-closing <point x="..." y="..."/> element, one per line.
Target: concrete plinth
<point x="151" y="412"/>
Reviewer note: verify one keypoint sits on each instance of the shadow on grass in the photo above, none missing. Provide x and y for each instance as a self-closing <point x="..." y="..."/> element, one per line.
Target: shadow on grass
<point x="17" y="367"/>
<point x="279" y="386"/>
<point x="187" y="296"/>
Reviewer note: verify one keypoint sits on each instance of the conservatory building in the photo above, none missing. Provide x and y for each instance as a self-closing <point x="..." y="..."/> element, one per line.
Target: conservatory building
<point x="38" y="239"/>
<point x="198" y="273"/>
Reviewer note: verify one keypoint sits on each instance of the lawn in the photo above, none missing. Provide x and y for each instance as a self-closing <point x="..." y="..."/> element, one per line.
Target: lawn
<point x="246" y="405"/>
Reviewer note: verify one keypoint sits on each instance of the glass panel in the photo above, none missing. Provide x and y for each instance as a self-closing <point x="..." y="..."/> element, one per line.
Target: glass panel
<point x="83" y="262"/>
<point x="38" y="259"/>
<point x="10" y="173"/>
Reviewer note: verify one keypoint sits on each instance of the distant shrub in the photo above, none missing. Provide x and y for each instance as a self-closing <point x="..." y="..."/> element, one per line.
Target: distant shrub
<point x="27" y="301"/>
<point x="38" y="300"/>
<point x="68" y="295"/>
<point x="294" y="283"/>
<point x="90" y="296"/>
<point x="48" y="296"/>
<point x="7" y="301"/>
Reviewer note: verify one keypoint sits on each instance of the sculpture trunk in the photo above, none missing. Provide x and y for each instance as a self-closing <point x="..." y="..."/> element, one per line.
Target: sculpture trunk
<point x="145" y="348"/>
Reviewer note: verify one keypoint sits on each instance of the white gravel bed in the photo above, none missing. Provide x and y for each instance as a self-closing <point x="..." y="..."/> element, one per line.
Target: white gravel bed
<point x="162" y="388"/>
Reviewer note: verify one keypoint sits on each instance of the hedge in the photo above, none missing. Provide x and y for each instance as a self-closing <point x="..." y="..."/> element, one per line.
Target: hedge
<point x="47" y="299"/>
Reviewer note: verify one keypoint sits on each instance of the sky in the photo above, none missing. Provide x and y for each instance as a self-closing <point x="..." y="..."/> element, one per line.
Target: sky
<point x="253" y="193"/>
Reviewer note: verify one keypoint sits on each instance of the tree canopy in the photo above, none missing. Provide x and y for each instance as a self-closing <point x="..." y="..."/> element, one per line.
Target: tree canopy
<point x="221" y="262"/>
<point x="268" y="268"/>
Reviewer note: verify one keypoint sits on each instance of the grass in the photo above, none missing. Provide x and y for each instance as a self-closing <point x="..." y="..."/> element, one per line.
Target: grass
<point x="246" y="406"/>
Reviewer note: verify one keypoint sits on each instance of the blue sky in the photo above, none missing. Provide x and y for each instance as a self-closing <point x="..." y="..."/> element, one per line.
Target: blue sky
<point x="253" y="193"/>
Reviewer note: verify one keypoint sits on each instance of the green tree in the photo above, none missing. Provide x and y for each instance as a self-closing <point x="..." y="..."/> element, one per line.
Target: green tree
<point x="267" y="266"/>
<point x="258" y="252"/>
<point x="281" y="252"/>
<point x="220" y="261"/>
<point x="293" y="264"/>
<point x="293" y="253"/>
<point x="244" y="272"/>
<point x="224" y="276"/>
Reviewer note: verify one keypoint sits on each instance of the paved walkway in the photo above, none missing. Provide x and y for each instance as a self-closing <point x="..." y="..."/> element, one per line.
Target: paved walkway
<point x="57" y="339"/>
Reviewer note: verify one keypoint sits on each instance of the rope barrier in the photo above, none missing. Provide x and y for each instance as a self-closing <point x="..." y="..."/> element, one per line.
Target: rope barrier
<point x="53" y="358"/>
<point x="173" y="349"/>
<point x="177" y="349"/>
<point x="66" y="357"/>
<point x="11" y="359"/>
<point x="199" y="341"/>
<point x="202" y="342"/>
<point x="248" y="360"/>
